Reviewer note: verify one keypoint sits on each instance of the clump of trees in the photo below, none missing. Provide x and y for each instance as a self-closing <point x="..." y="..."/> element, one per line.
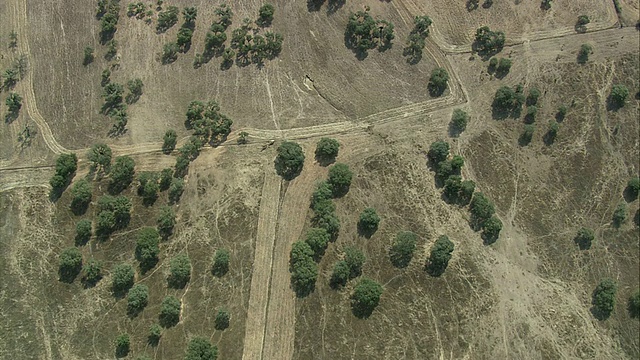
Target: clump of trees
<point x="208" y="123"/>
<point x="348" y="268"/>
<point x="180" y="271"/>
<point x="254" y="48"/>
<point x="138" y="10"/>
<point x="122" y="280"/>
<point x="363" y="33"/>
<point x="327" y="150"/>
<point x="170" y="311"/>
<point x="401" y="251"/>
<point x="318" y="239"/>
<point x="324" y="210"/>
<point x="604" y="299"/>
<point x="201" y="349"/>
<point x="167" y="18"/>
<point x="488" y="42"/>
<point x="114" y="213"/>
<point x="304" y="270"/>
<point x="438" y="81"/>
<point x="368" y="222"/>
<point x="66" y="166"/>
<point x="499" y="66"/>
<point x="290" y="160"/>
<point x="508" y="101"/>
<point x="440" y="256"/>
<point x="365" y="298"/>
<point x="108" y="13"/>
<point x="416" y="41"/>
<point x="69" y="264"/>
<point x="185" y="33"/>
<point x="147" y="248"/>
<point x="221" y="262"/>
<point x="100" y="158"/>
<point x="448" y="172"/>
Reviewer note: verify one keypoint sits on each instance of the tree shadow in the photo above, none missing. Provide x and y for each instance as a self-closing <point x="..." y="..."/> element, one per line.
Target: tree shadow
<point x="325" y="160"/>
<point x="361" y="311"/>
<point x="434" y="271"/>
<point x="599" y="314"/>
<point x="133" y="312"/>
<point x="11" y="116"/>
<point x="634" y="312"/>
<point x="366" y="231"/>
<point x="583" y="244"/>
<point x="89" y="283"/>
<point x="413" y="57"/>
<point x="488" y="239"/>
<point x="314" y="5"/>
<point x="436" y="91"/>
<point x="177" y="282"/>
<point x="334" y="5"/>
<point x="549" y="138"/>
<point x="122" y="351"/>
<point x="524" y="139"/>
<point x="613" y="105"/>
<point x="636" y="218"/>
<point x="453" y="130"/>
<point x="79" y="207"/>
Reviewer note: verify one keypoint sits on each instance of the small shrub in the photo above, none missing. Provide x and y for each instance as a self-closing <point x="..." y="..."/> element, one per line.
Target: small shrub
<point x="619" y="94"/>
<point x="527" y="135"/>
<point x="533" y="96"/>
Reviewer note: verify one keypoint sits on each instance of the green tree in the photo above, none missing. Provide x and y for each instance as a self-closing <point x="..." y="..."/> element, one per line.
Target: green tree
<point x="66" y="165"/>
<point x="83" y="231"/>
<point x="106" y="77"/>
<point x="421" y="25"/>
<point x="167" y="18"/>
<point x="562" y="112"/>
<point x="14" y="102"/>
<point x="619" y="94"/>
<point x="121" y="173"/>
<point x="148" y="187"/>
<point x="323" y="192"/>
<point x="318" y="239"/>
<point x="481" y="209"/>
<point x="166" y="221"/>
<point x="137" y="299"/>
<point x="170" y="311"/>
<point x="340" y="179"/>
<point x="368" y="223"/>
<point x="438" y="81"/>
<point x="112" y="94"/>
<point x="620" y="215"/>
<point x="365" y="298"/>
<point x="452" y="187"/>
<point x="504" y="65"/>
<point x="184" y="38"/>
<point x="147" y="248"/>
<point x="633" y="188"/>
<point x="487" y="41"/>
<point x="604" y="299"/>
<point x="527" y="134"/>
<point x="355" y="259"/>
<point x="327" y="150"/>
<point x="181" y="167"/>
<point x="440" y="256"/>
<point x="175" y="190"/>
<point x="88" y="56"/>
<point x="81" y="193"/>
<point x="155" y="332"/>
<point x="340" y="274"/>
<point x="467" y="189"/>
<point x="224" y="14"/>
<point x="122" y="280"/>
<point x="438" y="152"/>
<point x="491" y="229"/>
<point x="190" y="14"/>
<point x="180" y="271"/>
<point x="70" y="264"/>
<point x="92" y="272"/>
<point x="169" y="53"/>
<point x="221" y="262"/>
<point x="123" y="344"/>
<point x="581" y="24"/>
<point x="303" y="277"/>
<point x="459" y="120"/>
<point x="290" y="160"/>
<point x="105" y="223"/>
<point x="100" y="157"/>
<point x="552" y="132"/>
<point x="112" y="50"/>
<point x="300" y="250"/>
<point x="583" y="54"/>
<point x="402" y="249"/>
<point x="201" y="349"/>
<point x="166" y="175"/>
<point x="108" y="26"/>
<point x="265" y="14"/>
<point x="222" y="319"/>
<point x="135" y="90"/>
<point x="584" y="238"/>
<point x="170" y="141"/>
<point x="533" y="96"/>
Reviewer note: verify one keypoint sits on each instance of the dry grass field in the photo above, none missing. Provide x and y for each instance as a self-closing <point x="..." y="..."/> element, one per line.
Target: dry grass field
<point x="526" y="296"/>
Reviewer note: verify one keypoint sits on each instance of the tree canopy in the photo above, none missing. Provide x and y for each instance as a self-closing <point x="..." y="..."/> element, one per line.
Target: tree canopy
<point x="201" y="349"/>
<point x="604" y="299"/>
<point x="327" y="150"/>
<point x="488" y="41"/>
<point x="180" y="271"/>
<point x="147" y="248"/>
<point x="402" y="249"/>
<point x="290" y="160"/>
<point x="340" y="179"/>
<point x="122" y="280"/>
<point x="70" y="264"/>
<point x="438" y="81"/>
<point x="366" y="297"/>
<point x="221" y="262"/>
<point x="170" y="311"/>
<point x="440" y="256"/>
<point x="121" y="174"/>
<point x="100" y="157"/>
<point x="137" y="299"/>
<point x="368" y="222"/>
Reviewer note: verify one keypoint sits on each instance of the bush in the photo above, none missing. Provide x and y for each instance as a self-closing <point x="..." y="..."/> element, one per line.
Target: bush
<point x="619" y="94"/>
<point x="355" y="259"/>
<point x="487" y="41"/>
<point x="180" y="268"/>
<point x="135" y="90"/>
<point x="175" y="190"/>
<point x="438" y="81"/>
<point x="604" y="299"/>
<point x="169" y="53"/>
<point x="170" y="311"/>
<point x="584" y="238"/>
<point x="562" y="112"/>
<point x="633" y="188"/>
<point x="221" y="262"/>
<point x="265" y="14"/>
<point x="481" y="209"/>
<point x="137" y="299"/>
<point x="438" y="152"/>
<point x="504" y="65"/>
<point x="340" y="179"/>
<point x="327" y="150"/>
<point x="184" y="38"/>
<point x="318" y="239"/>
<point x="122" y="281"/>
<point x="70" y="264"/>
<point x="167" y="18"/>
<point x="527" y="135"/>
<point x="147" y="249"/>
<point x="83" y="231"/>
<point x="201" y="349"/>
<point x="121" y="173"/>
<point x="368" y="223"/>
<point x="491" y="230"/>
<point x="340" y="274"/>
<point x="155" y="332"/>
<point x="440" y="256"/>
<point x="366" y="297"/>
<point x="402" y="249"/>
<point x="290" y="160"/>
<point x="92" y="272"/>
<point x="166" y="221"/>
<point x="583" y="54"/>
<point x="88" y="56"/>
<point x="552" y="132"/>
<point x="81" y="193"/>
<point x="170" y="141"/>
<point x="459" y="120"/>
<point x="222" y="319"/>
<point x="620" y="215"/>
<point x="100" y="157"/>
<point x="122" y="345"/>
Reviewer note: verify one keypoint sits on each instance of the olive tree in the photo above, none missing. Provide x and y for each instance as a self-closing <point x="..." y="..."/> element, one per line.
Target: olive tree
<point x="618" y="96"/>
<point x="318" y="239"/>
<point x="166" y="221"/>
<point x="121" y="174"/>
<point x="438" y="81"/>
<point x="221" y="262"/>
<point x="100" y="157"/>
<point x="170" y="141"/>
<point x="265" y="14"/>
<point x="137" y="299"/>
<point x="122" y="280"/>
<point x="327" y="150"/>
<point x="147" y="248"/>
<point x="92" y="272"/>
<point x="201" y="349"/>
<point x="481" y="209"/>
<point x="83" y="231"/>
<point x="222" y="319"/>
<point x="123" y="343"/>
<point x="81" y="193"/>
<point x="459" y="120"/>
